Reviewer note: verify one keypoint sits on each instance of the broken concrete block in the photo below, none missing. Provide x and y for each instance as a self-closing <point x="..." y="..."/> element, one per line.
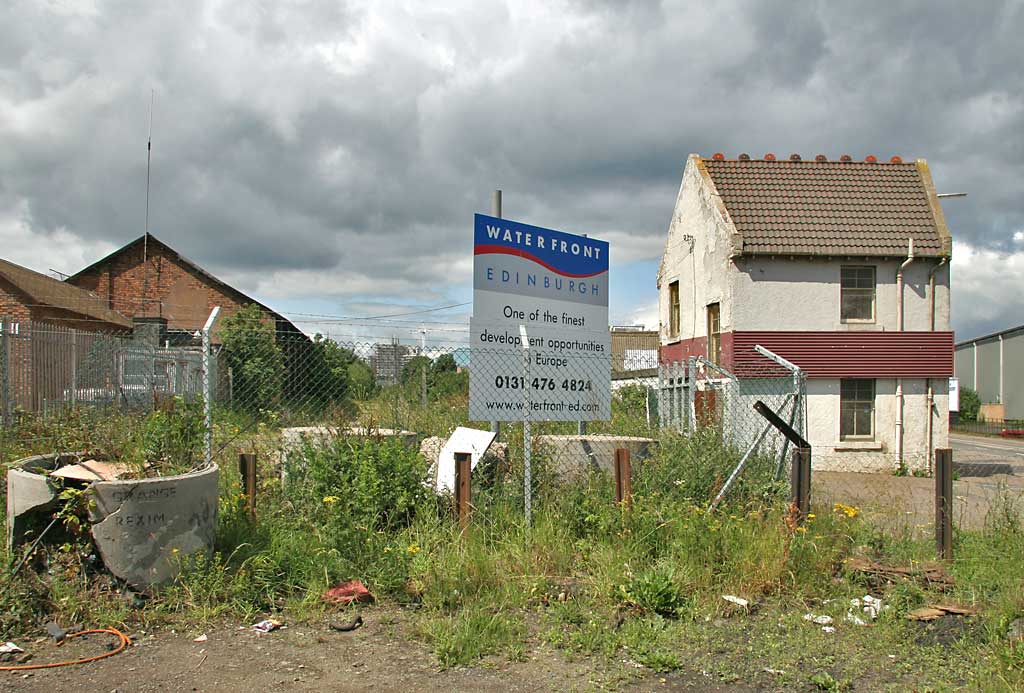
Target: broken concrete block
<point x="30" y="490"/>
<point x="143" y="528"/>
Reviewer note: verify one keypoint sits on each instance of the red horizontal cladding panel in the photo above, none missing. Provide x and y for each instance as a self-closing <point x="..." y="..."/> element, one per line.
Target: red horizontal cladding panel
<point x="847" y="354"/>
<point x="683" y="349"/>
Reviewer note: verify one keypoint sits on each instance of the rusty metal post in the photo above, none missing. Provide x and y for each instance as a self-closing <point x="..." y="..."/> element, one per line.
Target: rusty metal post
<point x="944" y="503"/>
<point x="463" y="488"/>
<point x="247" y="470"/>
<point x="801" y="482"/>
<point x="623" y="478"/>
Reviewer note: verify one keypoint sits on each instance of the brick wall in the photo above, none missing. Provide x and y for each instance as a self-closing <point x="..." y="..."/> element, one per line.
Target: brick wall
<point x="13" y="303"/>
<point x="162" y="286"/>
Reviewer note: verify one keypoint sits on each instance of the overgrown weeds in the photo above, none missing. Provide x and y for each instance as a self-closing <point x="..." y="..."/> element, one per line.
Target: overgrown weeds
<point x="588" y="577"/>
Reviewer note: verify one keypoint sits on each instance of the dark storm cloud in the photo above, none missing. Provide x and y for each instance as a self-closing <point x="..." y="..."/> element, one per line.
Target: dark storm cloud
<point x="342" y="140"/>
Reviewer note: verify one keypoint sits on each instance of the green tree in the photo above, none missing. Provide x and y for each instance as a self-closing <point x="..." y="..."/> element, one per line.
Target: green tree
<point x="411" y="371"/>
<point x="970" y="404"/>
<point x="328" y="372"/>
<point x="255" y="359"/>
<point x="445" y="363"/>
<point x="361" y="382"/>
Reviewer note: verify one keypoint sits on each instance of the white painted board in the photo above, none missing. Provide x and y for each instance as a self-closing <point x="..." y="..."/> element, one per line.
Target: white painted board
<point x="470" y="440"/>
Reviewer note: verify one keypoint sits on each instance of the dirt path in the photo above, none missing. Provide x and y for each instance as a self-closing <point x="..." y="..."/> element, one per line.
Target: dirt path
<point x="377" y="656"/>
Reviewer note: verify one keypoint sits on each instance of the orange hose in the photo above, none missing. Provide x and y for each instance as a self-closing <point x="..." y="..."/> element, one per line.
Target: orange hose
<point x="125" y="641"/>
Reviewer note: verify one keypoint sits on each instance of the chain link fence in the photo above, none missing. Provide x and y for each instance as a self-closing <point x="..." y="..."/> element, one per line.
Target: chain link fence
<point x="690" y="426"/>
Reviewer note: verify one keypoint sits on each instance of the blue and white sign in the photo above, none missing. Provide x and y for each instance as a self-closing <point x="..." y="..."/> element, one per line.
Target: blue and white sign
<point x="554" y="284"/>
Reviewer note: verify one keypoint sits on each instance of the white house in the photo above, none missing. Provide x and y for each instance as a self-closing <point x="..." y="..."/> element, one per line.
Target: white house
<point x="841" y="267"/>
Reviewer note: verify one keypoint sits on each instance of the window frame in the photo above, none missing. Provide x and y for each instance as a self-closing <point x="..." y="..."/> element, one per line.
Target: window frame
<point x="858" y="290"/>
<point x="714" y="325"/>
<point x="857" y="398"/>
<point x="673" y="309"/>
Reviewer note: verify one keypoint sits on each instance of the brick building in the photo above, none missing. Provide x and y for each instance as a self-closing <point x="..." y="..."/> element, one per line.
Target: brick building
<point x="48" y="329"/>
<point x="27" y="296"/>
<point x="150" y="282"/>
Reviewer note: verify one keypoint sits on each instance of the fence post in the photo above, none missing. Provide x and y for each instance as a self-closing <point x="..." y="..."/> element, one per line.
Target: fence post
<point x="5" y="372"/>
<point x="691" y="390"/>
<point x="944" y="503"/>
<point x="463" y="488"/>
<point x="623" y="478"/>
<point x="247" y="470"/>
<point x="801" y="482"/>
<point x="208" y="388"/>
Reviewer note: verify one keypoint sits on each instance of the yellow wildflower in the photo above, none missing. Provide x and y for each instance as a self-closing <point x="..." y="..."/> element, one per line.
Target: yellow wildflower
<point x="331" y="500"/>
<point x="413" y="549"/>
<point x="848" y="510"/>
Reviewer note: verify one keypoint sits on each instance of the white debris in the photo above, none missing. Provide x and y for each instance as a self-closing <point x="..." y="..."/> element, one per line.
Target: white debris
<point x="820" y="620"/>
<point x="868" y="605"/>
<point x="736" y="600"/>
<point x="828" y="629"/>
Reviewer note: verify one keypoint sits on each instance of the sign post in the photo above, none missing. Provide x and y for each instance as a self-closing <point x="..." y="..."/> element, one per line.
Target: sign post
<point x="541" y="349"/>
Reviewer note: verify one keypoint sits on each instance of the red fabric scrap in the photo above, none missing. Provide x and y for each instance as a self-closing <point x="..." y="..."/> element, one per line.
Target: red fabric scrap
<point x="349" y="592"/>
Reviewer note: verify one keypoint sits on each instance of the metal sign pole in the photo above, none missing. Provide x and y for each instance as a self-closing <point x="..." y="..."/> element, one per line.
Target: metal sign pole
<point x="527" y="441"/>
<point x="496" y="213"/>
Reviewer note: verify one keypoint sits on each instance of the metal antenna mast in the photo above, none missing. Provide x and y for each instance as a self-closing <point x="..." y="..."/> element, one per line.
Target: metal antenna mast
<point x="149" y="152"/>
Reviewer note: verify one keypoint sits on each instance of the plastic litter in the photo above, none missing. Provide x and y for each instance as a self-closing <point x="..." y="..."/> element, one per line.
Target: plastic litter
<point x="9" y="648"/>
<point x="736" y="600"/>
<point x="201" y="638"/>
<point x="267" y="625"/>
<point x="828" y="629"/>
<point x="819" y="620"/>
<point x="345" y="593"/>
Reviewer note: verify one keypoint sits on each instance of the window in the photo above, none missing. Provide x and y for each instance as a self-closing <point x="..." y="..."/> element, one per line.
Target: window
<point x="856" y="409"/>
<point x="673" y="309"/>
<point x="857" y="288"/>
<point x="714" y="334"/>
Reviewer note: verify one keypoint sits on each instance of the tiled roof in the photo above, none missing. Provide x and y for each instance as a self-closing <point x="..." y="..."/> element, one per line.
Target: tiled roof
<point x="47" y="291"/>
<point x="830" y="207"/>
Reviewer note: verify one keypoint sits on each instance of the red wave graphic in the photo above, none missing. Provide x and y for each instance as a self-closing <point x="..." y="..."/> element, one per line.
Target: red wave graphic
<point x="506" y="250"/>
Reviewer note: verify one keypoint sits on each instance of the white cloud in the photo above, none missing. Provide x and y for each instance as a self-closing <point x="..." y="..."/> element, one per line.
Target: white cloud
<point x="987" y="290"/>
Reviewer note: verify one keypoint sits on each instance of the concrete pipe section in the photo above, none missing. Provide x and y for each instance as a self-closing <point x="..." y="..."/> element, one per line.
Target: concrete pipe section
<point x="142" y="528"/>
<point x="573" y="456"/>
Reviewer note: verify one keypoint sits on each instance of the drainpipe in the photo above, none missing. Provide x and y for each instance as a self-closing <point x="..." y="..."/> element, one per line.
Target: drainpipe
<point x="931" y="323"/>
<point x="899" y="326"/>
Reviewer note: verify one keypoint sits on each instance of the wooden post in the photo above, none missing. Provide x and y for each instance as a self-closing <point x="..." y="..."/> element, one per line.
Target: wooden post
<point x="944" y="503"/>
<point x="801" y="482"/>
<point x="463" y="488"/>
<point x="247" y="469"/>
<point x="623" y="478"/>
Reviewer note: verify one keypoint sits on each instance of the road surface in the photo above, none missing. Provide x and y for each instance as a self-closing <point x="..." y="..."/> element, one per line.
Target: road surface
<point x="985" y="455"/>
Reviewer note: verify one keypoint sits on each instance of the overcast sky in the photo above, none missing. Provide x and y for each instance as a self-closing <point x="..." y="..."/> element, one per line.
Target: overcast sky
<point x="328" y="157"/>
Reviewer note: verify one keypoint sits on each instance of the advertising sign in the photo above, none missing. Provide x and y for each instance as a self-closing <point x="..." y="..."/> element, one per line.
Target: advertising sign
<point x="554" y="284"/>
<point x="954" y="394"/>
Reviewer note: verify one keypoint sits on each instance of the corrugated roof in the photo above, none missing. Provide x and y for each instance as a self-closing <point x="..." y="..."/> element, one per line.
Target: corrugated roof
<point x="47" y="291"/>
<point x="830" y="207"/>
